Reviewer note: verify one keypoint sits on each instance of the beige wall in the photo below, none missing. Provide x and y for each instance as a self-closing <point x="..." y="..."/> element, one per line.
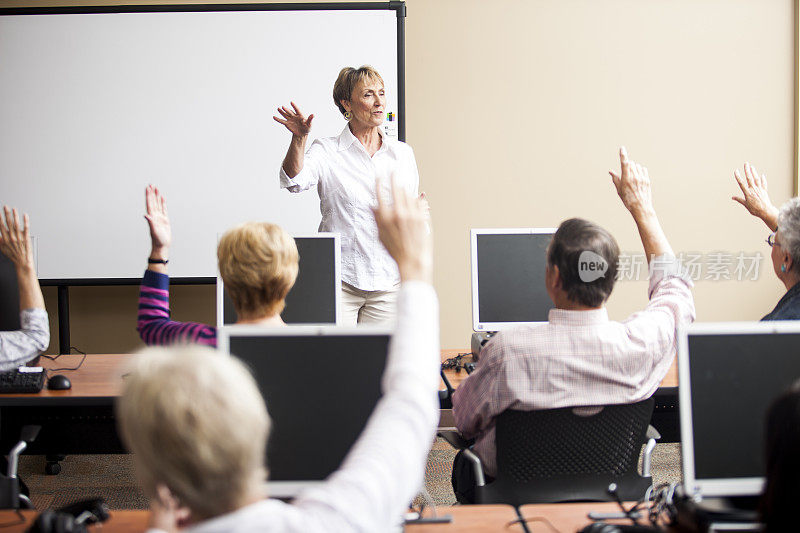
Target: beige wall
<point x="516" y="109"/>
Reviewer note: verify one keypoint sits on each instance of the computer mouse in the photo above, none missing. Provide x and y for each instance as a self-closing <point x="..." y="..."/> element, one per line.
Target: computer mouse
<point x="59" y="382"/>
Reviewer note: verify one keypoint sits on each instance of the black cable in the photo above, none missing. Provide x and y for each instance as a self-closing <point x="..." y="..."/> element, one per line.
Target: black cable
<point x="66" y="369"/>
<point x="456" y="362"/>
<point x="524" y="521"/>
<point x="20" y="520"/>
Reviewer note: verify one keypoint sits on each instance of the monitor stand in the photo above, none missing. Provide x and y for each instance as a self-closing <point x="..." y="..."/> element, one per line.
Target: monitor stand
<point x="480" y="338"/>
<point x="737" y="513"/>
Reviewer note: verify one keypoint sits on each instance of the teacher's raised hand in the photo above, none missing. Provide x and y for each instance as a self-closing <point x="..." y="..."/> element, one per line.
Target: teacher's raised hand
<point x="294" y="120"/>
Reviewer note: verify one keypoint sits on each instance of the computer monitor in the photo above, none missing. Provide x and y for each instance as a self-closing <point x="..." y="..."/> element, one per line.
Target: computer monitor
<point x="729" y="373"/>
<point x="9" y="295"/>
<point x="508" y="268"/>
<point x="320" y="385"/>
<point x="316" y="294"/>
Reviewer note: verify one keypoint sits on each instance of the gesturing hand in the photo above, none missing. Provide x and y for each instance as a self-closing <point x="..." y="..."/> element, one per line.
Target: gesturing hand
<point x="403" y="230"/>
<point x="158" y="220"/>
<point x="15" y="241"/>
<point x="294" y="120"/>
<point x="633" y="185"/>
<point x="755" y="199"/>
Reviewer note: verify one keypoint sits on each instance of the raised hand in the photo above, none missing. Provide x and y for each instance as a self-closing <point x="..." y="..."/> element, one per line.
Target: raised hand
<point x="633" y="185"/>
<point x="754" y="195"/>
<point x="404" y="231"/>
<point x="294" y="120"/>
<point x="15" y="240"/>
<point x="158" y="220"/>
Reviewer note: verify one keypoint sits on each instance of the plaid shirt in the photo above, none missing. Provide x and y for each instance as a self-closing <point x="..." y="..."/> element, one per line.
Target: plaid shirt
<point x="578" y="358"/>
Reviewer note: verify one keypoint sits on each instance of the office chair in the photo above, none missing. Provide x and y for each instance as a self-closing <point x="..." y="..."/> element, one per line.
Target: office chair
<point x="10" y="496"/>
<point x="555" y="455"/>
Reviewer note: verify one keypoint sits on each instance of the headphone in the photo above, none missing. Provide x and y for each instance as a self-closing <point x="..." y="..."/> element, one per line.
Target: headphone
<point x="73" y="518"/>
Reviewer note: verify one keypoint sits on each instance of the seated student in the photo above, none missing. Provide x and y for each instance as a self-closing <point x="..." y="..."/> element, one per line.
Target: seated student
<point x="19" y="347"/>
<point x="784" y="223"/>
<point x="781" y="491"/>
<point x="579" y="357"/>
<point x="198" y="427"/>
<point x="258" y="264"/>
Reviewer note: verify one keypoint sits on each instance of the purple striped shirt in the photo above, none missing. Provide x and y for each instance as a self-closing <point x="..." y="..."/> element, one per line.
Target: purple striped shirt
<point x="154" y="324"/>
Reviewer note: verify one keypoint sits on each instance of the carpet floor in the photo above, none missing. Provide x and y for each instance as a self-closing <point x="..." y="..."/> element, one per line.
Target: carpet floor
<point x="113" y="478"/>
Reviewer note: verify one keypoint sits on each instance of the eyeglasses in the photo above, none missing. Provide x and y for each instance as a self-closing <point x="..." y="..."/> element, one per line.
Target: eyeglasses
<point x="771" y="239"/>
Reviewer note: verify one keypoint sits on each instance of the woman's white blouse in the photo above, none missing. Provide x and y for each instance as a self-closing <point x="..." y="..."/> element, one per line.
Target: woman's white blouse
<point x="345" y="174"/>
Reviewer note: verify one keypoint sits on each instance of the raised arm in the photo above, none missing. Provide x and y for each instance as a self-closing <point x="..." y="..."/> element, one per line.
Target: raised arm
<point x="754" y="196"/>
<point x="15" y="243"/>
<point x="385" y="468"/>
<point x="160" y="230"/>
<point x="300" y="127"/>
<point x="633" y="187"/>
<point x="153" y="321"/>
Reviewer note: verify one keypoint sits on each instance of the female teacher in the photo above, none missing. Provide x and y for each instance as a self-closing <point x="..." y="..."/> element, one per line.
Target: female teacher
<point x="344" y="169"/>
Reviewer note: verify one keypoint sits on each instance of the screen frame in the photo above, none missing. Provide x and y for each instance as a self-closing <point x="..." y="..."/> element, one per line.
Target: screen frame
<point x="752" y="486"/>
<point x="337" y="275"/>
<point x="477" y="325"/>
<point x="290" y="489"/>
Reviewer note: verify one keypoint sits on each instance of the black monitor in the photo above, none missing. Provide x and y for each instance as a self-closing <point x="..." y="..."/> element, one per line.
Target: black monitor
<point x="729" y="375"/>
<point x="508" y="267"/>
<point x="320" y="385"/>
<point x="9" y="295"/>
<point x="315" y="296"/>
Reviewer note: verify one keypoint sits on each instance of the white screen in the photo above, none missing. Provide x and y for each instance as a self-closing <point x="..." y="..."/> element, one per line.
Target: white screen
<point x="95" y="106"/>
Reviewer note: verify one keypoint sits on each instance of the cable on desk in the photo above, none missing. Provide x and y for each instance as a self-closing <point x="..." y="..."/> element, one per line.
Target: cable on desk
<point x="456" y="362"/>
<point x="66" y="368"/>
<point x="20" y="520"/>
<point x="524" y="521"/>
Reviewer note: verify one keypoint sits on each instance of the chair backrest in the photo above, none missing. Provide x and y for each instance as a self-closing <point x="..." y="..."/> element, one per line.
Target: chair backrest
<point x="554" y="443"/>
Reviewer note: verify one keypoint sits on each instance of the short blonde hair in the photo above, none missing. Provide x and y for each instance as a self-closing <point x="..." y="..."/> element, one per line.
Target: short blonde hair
<point x="195" y="422"/>
<point x="258" y="264"/>
<point x="347" y="81"/>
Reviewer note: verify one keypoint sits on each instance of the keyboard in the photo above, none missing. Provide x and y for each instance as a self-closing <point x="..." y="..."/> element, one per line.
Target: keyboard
<point x="15" y="381"/>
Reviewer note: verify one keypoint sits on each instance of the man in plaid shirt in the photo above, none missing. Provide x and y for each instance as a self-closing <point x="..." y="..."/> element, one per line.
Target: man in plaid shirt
<point x="580" y="357"/>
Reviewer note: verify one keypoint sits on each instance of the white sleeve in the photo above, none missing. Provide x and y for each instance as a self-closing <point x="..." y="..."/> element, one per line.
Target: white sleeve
<point x="415" y="172"/>
<point x="385" y="468"/>
<point x="18" y="347"/>
<point x="309" y="176"/>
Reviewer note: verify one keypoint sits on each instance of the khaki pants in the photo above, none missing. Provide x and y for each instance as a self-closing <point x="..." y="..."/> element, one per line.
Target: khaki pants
<point x="368" y="307"/>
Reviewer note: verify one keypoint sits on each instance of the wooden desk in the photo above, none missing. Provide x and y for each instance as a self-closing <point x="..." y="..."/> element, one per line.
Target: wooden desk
<point x="97" y="381"/>
<point x="568" y="516"/>
<point x="466" y="519"/>
<point x="78" y="420"/>
<point x="120" y="522"/>
<point x="472" y="519"/>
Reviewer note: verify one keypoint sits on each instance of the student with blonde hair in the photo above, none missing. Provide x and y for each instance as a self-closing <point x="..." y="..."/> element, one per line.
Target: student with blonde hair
<point x="198" y="427"/>
<point x="258" y="263"/>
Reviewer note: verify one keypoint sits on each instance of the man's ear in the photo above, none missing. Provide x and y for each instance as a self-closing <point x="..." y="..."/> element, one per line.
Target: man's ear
<point x="552" y="277"/>
<point x="787" y="260"/>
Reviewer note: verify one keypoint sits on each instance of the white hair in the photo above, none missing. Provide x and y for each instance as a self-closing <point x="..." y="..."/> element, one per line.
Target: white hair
<point x="789" y="226"/>
<point x="196" y="422"/>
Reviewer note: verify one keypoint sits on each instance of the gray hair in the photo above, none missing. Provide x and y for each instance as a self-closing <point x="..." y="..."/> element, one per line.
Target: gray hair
<point x="196" y="422"/>
<point x="789" y="226"/>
